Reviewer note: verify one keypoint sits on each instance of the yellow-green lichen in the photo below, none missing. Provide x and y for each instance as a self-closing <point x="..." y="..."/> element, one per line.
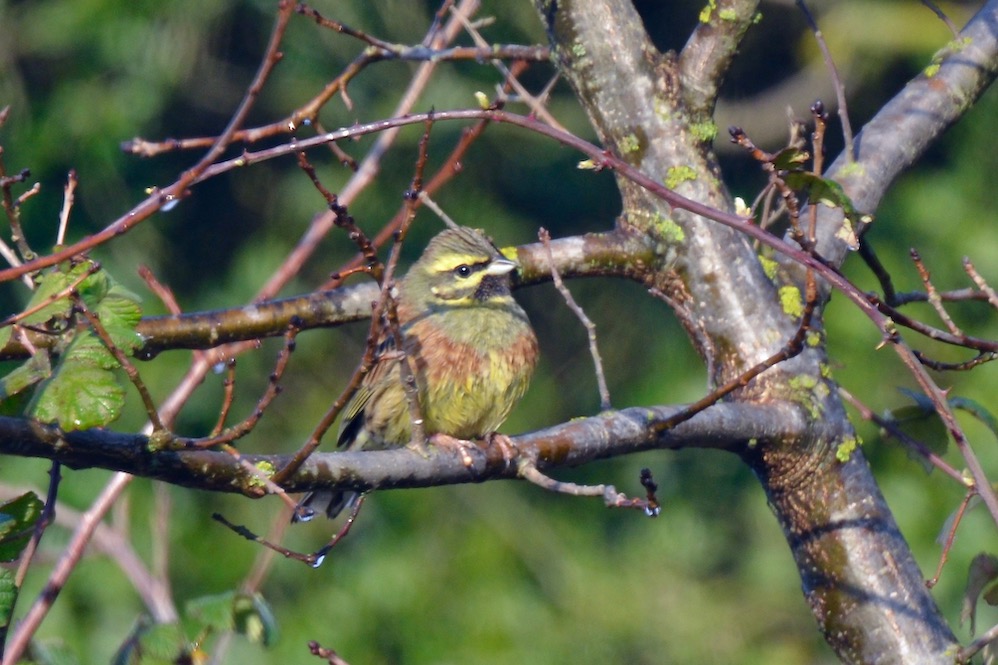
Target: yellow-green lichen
<point x="808" y="391"/>
<point x="267" y="469"/>
<point x="826" y="370"/>
<point x="727" y="15"/>
<point x="852" y="169"/>
<point x="769" y="266"/>
<point x="812" y="338"/>
<point x="954" y="46"/>
<point x="791" y="301"/>
<point x="160" y="440"/>
<point x="578" y="50"/>
<point x="677" y="175"/>
<point x="846" y="447"/>
<point x="704" y="132"/>
<point x="668" y="229"/>
<point x="629" y="144"/>
<point x="707" y="11"/>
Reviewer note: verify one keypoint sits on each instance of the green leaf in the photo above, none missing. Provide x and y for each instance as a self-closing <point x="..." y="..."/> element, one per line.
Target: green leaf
<point x="8" y="597"/>
<point x="17" y="517"/>
<point x="213" y="612"/>
<point x="154" y="644"/>
<point x="254" y="619"/>
<point x="921" y="422"/>
<point x="80" y="395"/>
<point x="790" y="159"/>
<point x="249" y="615"/>
<point x="48" y="286"/>
<point x="826" y="191"/>
<point x="982" y="574"/>
<point x="37" y="368"/>
<point x="84" y="391"/>
<point x="975" y="409"/>
<point x="120" y="313"/>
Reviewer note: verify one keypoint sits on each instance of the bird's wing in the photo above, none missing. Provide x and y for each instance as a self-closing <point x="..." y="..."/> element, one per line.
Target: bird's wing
<point x="353" y="414"/>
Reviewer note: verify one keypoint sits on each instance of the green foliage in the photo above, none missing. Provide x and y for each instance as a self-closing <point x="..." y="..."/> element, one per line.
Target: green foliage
<point x="17" y="520"/>
<point x="17" y="517"/>
<point x="166" y="643"/>
<point x="83" y="391"/>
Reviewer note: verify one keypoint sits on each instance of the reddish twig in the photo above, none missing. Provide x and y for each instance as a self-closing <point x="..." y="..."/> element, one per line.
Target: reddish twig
<point x="951" y="536"/>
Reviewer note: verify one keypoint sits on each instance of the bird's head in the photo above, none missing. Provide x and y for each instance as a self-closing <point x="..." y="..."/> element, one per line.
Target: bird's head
<point x="460" y="267"/>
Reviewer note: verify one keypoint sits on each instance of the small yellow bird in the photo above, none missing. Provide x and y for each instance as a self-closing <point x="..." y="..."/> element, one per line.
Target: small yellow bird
<point x="469" y="343"/>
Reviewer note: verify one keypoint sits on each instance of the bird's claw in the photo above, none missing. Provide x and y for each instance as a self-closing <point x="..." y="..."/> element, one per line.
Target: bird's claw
<point x="463" y="448"/>
<point x="509" y="451"/>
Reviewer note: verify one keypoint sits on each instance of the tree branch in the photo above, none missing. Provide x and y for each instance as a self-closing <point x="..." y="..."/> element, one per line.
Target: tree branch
<point x="722" y="426"/>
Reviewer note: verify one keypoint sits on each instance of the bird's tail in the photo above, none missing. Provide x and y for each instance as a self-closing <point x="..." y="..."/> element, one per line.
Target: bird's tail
<point x="332" y="502"/>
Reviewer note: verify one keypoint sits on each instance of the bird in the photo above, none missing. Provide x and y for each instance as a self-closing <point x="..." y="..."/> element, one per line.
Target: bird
<point x="470" y="346"/>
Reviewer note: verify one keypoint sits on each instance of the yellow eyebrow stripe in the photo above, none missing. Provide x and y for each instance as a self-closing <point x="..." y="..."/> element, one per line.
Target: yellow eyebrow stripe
<point x="450" y="261"/>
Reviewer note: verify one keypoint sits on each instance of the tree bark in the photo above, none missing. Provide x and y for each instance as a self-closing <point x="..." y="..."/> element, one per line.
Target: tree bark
<point x="859" y="577"/>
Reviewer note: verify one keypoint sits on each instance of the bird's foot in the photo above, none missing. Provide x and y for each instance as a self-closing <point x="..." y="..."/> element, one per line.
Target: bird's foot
<point x="510" y="453"/>
<point x="463" y="448"/>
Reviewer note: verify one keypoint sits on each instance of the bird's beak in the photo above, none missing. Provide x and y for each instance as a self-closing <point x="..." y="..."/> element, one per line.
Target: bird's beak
<point x="501" y="266"/>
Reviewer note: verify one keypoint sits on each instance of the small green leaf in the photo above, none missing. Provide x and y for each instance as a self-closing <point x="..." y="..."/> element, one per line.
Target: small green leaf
<point x="49" y="285"/>
<point x="921" y="422"/>
<point x="37" y="368"/>
<point x="80" y="395"/>
<point x="84" y="391"/>
<point x="154" y="644"/>
<point x="213" y="612"/>
<point x="254" y="619"/>
<point x="977" y="410"/>
<point x="790" y="159"/>
<point x="982" y="574"/>
<point x="165" y="642"/>
<point x="17" y="517"/>
<point x="8" y="597"/>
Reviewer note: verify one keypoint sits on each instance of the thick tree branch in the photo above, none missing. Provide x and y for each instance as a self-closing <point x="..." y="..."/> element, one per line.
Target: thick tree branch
<point x="709" y="51"/>
<point x="905" y="127"/>
<point x="724" y="426"/>
<point x="847" y="547"/>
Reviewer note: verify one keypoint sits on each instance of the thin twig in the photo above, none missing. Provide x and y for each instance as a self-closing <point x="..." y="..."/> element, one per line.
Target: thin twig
<point x="533" y="103"/>
<point x="528" y="470"/>
<point x="123" y="360"/>
<point x="892" y="429"/>
<point x="992" y="296"/>
<point x="840" y="91"/>
<point x="969" y="651"/>
<point x="68" y="197"/>
<point x="940" y="366"/>
<point x="943" y="17"/>
<point x="62" y="293"/>
<point x="930" y="290"/>
<point x="951" y="536"/>
<point x="41" y="524"/>
<point x="67" y="563"/>
<point x="234" y="432"/>
<point x="425" y="199"/>
<point x="604" y="392"/>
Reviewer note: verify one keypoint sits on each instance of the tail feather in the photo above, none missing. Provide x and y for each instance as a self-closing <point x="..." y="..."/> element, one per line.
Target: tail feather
<point x="332" y="502"/>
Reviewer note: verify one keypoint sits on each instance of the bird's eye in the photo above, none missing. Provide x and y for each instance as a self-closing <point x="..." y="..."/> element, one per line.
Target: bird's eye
<point x="463" y="270"/>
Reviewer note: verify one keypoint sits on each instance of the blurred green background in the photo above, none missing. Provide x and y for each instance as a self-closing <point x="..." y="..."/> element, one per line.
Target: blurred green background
<point x="500" y="573"/>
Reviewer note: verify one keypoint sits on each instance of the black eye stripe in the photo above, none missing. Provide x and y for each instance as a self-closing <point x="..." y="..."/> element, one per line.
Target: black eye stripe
<point x="468" y="269"/>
